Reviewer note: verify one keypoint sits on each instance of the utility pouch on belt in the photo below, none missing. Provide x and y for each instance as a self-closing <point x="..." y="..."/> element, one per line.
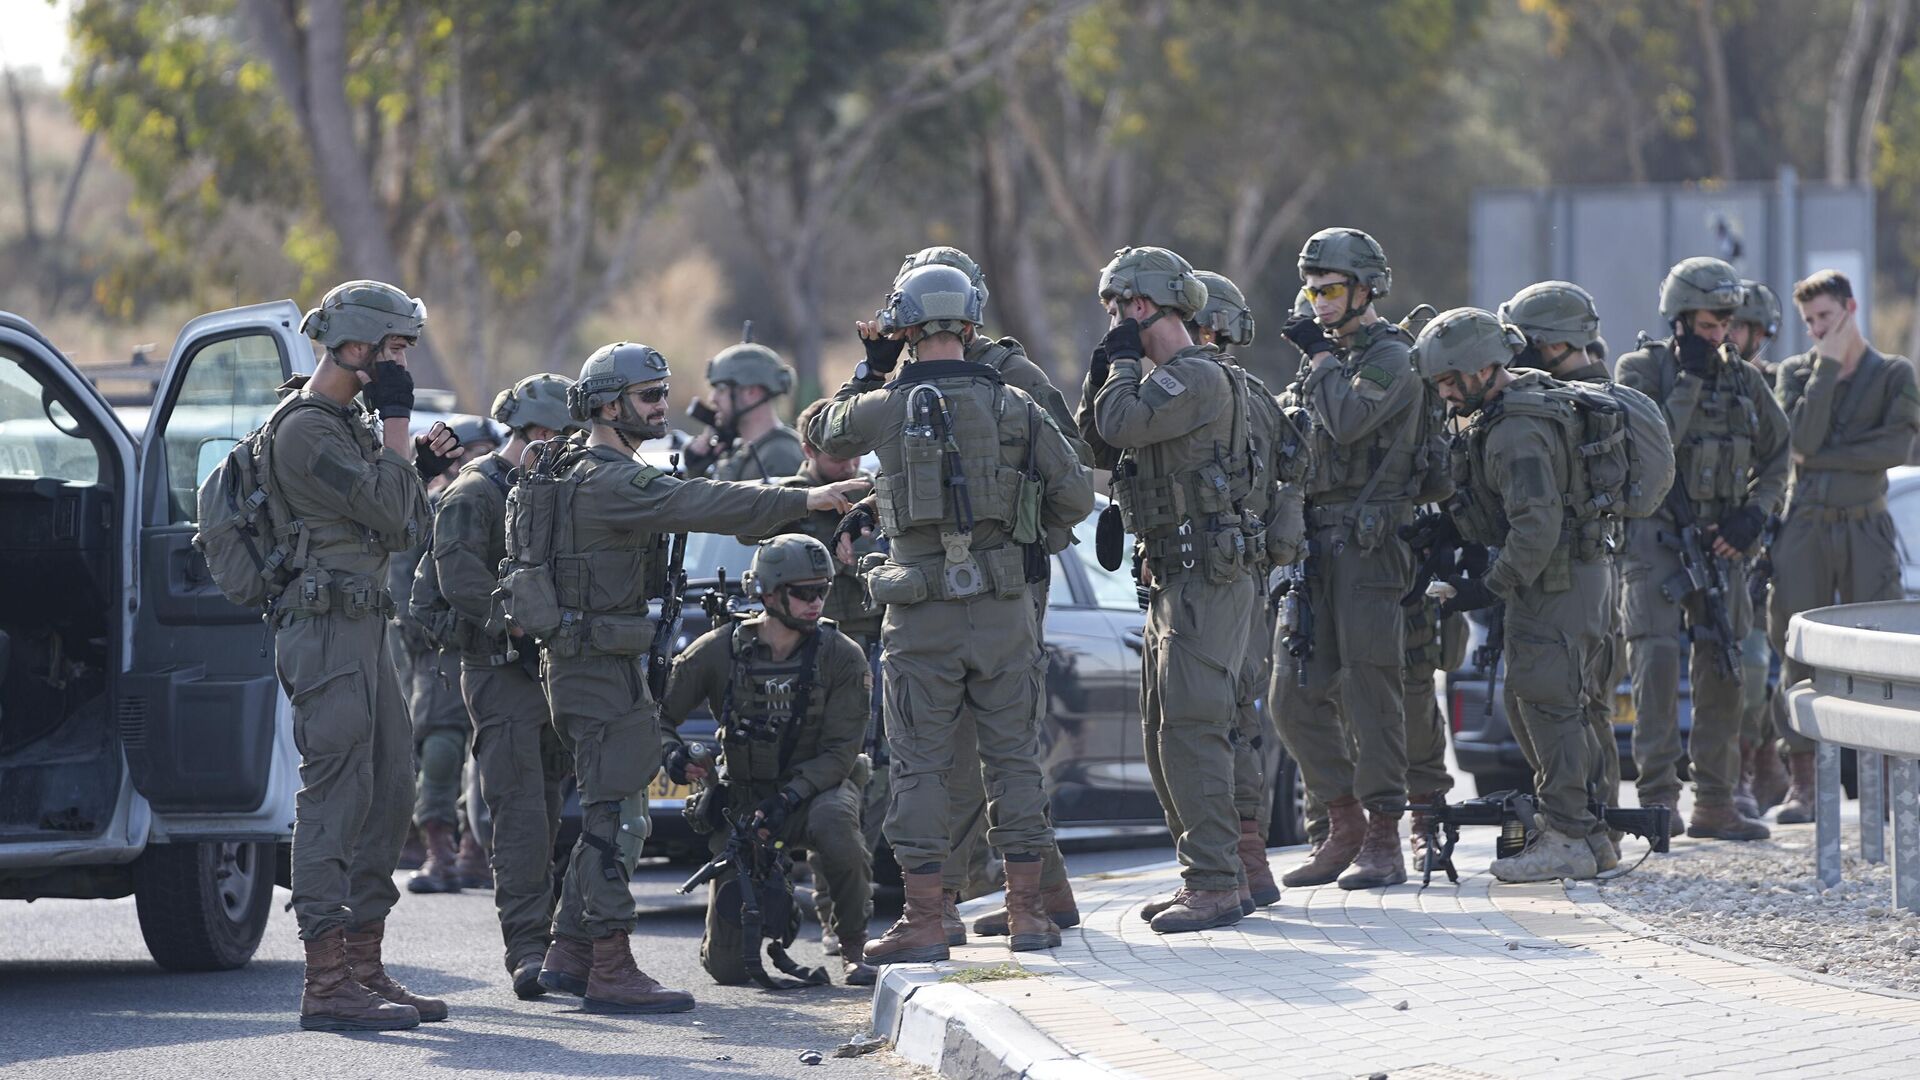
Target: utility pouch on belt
<point x="1371" y="527"/>
<point x="1226" y="556"/>
<point x="1026" y="503"/>
<point x="895" y="583"/>
<point x="620" y="635"/>
<point x="311" y="593"/>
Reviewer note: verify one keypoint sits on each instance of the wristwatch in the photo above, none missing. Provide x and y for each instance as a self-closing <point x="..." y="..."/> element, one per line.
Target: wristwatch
<point x="863" y="372"/>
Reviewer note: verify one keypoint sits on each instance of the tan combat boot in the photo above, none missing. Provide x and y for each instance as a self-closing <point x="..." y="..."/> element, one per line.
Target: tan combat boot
<point x="1548" y="856"/>
<point x="1798" y="807"/>
<point x="1743" y="799"/>
<point x="1199" y="909"/>
<point x="854" y="969"/>
<point x="471" y="865"/>
<point x="1029" y="927"/>
<point x="363" y="963"/>
<point x="1770" y="781"/>
<point x="1346" y="830"/>
<point x="1154" y="907"/>
<point x="566" y="965"/>
<point x="1606" y="851"/>
<point x="1417" y="827"/>
<point x="1057" y="899"/>
<point x="616" y="985"/>
<point x="917" y="937"/>
<point x="1380" y="861"/>
<point x="1718" y="820"/>
<point x="330" y="999"/>
<point x="1261" y="888"/>
<point x="950" y="921"/>
<point x="438" y="874"/>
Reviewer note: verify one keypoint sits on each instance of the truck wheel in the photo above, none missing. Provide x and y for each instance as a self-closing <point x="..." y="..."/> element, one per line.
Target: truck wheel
<point x="1288" y="825"/>
<point x="203" y="907"/>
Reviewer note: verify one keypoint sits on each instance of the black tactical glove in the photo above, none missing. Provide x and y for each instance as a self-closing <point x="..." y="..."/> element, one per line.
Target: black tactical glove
<point x="1098" y="367"/>
<point x="1474" y="560"/>
<point x="857" y="520"/>
<point x="1123" y="342"/>
<point x="1469" y="594"/>
<point x="1308" y="335"/>
<point x="391" y="391"/>
<point x="1742" y="528"/>
<point x="674" y="764"/>
<point x="883" y="353"/>
<point x="772" y="812"/>
<point x="429" y="463"/>
<point x="1430" y="531"/>
<point x="1696" y="355"/>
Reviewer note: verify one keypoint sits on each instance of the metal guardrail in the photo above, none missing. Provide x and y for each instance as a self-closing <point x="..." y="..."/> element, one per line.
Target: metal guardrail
<point x="1864" y="695"/>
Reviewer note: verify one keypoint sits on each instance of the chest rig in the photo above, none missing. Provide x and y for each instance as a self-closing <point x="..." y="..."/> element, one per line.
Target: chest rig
<point x="1186" y="499"/>
<point x="767" y="707"/>
<point x="1715" y="455"/>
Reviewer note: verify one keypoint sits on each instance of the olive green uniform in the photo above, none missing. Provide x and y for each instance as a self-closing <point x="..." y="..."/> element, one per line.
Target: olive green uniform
<point x="359" y="503"/>
<point x="595" y="667"/>
<point x="949" y="643"/>
<point x="1730" y="450"/>
<point x="774" y="454"/>
<point x="1836" y="544"/>
<point x="441" y="727"/>
<point x="765" y="749"/>
<point x="1552" y="573"/>
<point x="1346" y="726"/>
<point x="1177" y="443"/>
<point x="1433" y="644"/>
<point x="522" y="765"/>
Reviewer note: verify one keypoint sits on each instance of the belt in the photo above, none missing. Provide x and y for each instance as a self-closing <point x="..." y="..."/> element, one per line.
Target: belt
<point x="353" y="601"/>
<point x="1834" y="515"/>
<point x="1330" y="515"/>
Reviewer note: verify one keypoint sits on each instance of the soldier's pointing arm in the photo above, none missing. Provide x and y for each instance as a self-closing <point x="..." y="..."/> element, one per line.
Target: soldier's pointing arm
<point x="1180" y="396"/>
<point x="654" y="501"/>
<point x="385" y="494"/>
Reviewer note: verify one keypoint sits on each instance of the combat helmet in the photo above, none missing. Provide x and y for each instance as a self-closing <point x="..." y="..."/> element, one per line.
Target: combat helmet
<point x="937" y="298"/>
<point x="943" y="255"/>
<point x="1701" y="283"/>
<point x="1350" y="252"/>
<point x="1156" y="274"/>
<point x="1465" y="340"/>
<point x="536" y="401"/>
<point x="750" y="364"/>
<point x="1225" y="312"/>
<point x="471" y="429"/>
<point x="1554" y="312"/>
<point x="605" y="378"/>
<point x="1758" y="304"/>
<point x="364" y="311"/>
<point x="784" y="560"/>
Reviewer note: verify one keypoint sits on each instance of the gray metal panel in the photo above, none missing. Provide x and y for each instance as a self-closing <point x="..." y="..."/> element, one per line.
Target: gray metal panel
<point x="1837" y="220"/>
<point x="1619" y="257"/>
<point x="1504" y="256"/>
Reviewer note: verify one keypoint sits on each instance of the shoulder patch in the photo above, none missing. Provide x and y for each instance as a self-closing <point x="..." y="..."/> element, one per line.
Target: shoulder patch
<point x="1168" y="381"/>
<point x="839" y="415"/>
<point x="1910" y="392"/>
<point x="1378" y="374"/>
<point x="645" y="475"/>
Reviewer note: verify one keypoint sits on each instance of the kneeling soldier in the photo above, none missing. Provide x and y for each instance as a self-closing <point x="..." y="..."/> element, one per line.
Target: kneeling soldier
<point x="791" y="695"/>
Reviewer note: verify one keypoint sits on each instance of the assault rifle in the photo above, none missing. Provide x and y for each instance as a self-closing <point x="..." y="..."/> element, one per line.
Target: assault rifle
<point x="1703" y="576"/>
<point x="1514" y="815"/>
<point x="660" y="654"/>
<point x="1486" y="658"/>
<point x="1760" y="574"/>
<point x="1296" y="611"/>
<point x="760" y="891"/>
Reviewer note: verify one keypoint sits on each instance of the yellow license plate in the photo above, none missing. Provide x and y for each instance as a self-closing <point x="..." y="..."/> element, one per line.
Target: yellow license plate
<point x="664" y="788"/>
<point x="1623" y="713"/>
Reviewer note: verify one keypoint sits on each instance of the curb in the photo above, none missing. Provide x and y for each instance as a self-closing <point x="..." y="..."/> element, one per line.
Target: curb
<point x="955" y="1031"/>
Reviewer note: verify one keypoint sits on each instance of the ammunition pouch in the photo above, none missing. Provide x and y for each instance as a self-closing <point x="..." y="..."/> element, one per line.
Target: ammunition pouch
<point x="317" y="592"/>
<point x="999" y="572"/>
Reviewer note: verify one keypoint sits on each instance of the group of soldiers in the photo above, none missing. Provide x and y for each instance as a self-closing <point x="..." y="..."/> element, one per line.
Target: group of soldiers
<point x="893" y="678"/>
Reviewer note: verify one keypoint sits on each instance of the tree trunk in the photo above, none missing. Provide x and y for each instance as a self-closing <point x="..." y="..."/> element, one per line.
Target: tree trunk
<point x="1846" y="79"/>
<point x="1886" y="68"/>
<point x="23" y="150"/>
<point x="1003" y="235"/>
<point x="1719" y="97"/>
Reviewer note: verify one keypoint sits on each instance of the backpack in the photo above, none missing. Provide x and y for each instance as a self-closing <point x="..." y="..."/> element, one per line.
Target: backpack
<point x="1621" y="444"/>
<point x="427" y="606"/>
<point x="539" y="526"/>
<point x="251" y="542"/>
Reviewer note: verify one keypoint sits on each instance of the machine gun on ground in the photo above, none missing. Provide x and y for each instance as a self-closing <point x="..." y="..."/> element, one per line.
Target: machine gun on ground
<point x="761" y="890"/>
<point x="1513" y="814"/>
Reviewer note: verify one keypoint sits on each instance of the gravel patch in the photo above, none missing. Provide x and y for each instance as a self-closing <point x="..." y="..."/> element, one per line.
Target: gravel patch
<point x="1762" y="899"/>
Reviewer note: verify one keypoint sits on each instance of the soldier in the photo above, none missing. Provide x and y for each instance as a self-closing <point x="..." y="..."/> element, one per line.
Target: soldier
<point x="519" y="757"/>
<point x="1177" y="441"/>
<point x="1763" y="780"/>
<point x="354" y="498"/>
<point x="1730" y="456"/>
<point x="859" y="620"/>
<point x="1370" y="463"/>
<point x="1277" y="452"/>
<point x="1552" y="572"/>
<point x="746" y="440"/>
<point x="789" y="688"/>
<point x="595" y="665"/>
<point x="1853" y="412"/>
<point x="972" y="474"/>
<point x="1560" y="321"/>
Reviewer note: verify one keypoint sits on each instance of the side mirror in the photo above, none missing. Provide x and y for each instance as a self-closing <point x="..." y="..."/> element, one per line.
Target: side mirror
<point x="213" y="451"/>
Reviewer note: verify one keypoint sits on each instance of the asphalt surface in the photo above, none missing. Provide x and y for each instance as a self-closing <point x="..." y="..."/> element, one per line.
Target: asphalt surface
<point x="79" y="997"/>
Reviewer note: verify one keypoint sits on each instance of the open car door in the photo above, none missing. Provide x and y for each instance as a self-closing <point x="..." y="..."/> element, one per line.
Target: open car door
<point x="207" y="733"/>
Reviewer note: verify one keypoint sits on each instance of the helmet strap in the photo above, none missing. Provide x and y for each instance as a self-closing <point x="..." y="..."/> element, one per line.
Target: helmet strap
<point x="1352" y="313"/>
<point x="783" y="613"/>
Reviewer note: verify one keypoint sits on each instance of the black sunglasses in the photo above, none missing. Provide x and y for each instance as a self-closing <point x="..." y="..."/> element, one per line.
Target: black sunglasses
<point x="807" y="594"/>
<point x="652" y="395"/>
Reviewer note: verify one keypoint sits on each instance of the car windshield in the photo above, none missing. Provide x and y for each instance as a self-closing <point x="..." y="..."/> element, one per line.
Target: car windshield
<point x="38" y="435"/>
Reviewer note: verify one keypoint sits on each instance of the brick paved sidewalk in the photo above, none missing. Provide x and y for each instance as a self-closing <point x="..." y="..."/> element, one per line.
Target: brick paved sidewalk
<point x="1448" y="984"/>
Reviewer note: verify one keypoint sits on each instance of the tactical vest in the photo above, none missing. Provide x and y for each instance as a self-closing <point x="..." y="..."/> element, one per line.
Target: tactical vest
<point x="1186" y="498"/>
<point x="770" y="716"/>
<point x="461" y="633"/>
<point x="1714" y="459"/>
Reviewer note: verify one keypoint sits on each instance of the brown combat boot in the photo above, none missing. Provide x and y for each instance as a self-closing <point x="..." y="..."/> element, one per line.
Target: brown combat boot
<point x="567" y="963"/>
<point x="1057" y="899"/>
<point x="917" y="937"/>
<point x="1346" y="829"/>
<point x="1798" y="807"/>
<point x="1261" y="887"/>
<point x="363" y="963"/>
<point x="1155" y="907"/>
<point x="616" y="985"/>
<point x="1743" y="800"/>
<point x="1029" y="927"/>
<point x="526" y="977"/>
<point x="471" y="865"/>
<point x="1199" y="909"/>
<point x="1770" y="781"/>
<point x="854" y="969"/>
<point x="1718" y="820"/>
<point x="330" y="999"/>
<point x="950" y="921"/>
<point x="1417" y="827"/>
<point x="1380" y="861"/>
<point x="438" y="874"/>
